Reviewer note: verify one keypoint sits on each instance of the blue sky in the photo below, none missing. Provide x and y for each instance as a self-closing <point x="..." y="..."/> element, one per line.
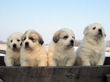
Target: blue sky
<point x="48" y="16"/>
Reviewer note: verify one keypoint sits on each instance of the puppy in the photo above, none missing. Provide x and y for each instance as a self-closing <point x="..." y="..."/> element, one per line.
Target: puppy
<point x="33" y="52"/>
<point x="12" y="57"/>
<point x="61" y="50"/>
<point x="91" y="51"/>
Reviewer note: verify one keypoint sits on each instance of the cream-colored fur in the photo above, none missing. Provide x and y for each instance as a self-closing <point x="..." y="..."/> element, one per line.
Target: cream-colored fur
<point x="35" y="54"/>
<point x="61" y="52"/>
<point x="92" y="48"/>
<point x="13" y="54"/>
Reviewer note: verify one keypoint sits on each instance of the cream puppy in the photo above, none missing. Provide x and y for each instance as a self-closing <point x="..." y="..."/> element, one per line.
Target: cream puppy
<point x="13" y="50"/>
<point x="61" y="50"/>
<point x="91" y="50"/>
<point x="33" y="52"/>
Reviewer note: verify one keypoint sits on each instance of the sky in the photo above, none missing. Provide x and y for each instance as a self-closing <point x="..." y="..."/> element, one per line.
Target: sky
<point x="48" y="16"/>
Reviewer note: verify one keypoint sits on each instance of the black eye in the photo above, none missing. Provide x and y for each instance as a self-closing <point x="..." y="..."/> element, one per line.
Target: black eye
<point x="94" y="28"/>
<point x="31" y="38"/>
<point x="73" y="37"/>
<point x="24" y="39"/>
<point x="65" y="37"/>
<point x="18" y="40"/>
<point x="11" y="41"/>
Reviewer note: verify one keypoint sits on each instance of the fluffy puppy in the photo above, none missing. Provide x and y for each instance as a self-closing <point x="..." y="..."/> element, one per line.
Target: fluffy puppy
<point x="61" y="50"/>
<point x="33" y="52"/>
<point x="13" y="50"/>
<point x="91" y="50"/>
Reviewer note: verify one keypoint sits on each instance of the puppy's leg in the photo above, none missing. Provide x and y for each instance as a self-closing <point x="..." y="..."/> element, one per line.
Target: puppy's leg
<point x="101" y="60"/>
<point x="43" y="61"/>
<point x="51" y="62"/>
<point x="9" y="61"/>
<point x="85" y="61"/>
<point x="70" y="62"/>
<point x="24" y="63"/>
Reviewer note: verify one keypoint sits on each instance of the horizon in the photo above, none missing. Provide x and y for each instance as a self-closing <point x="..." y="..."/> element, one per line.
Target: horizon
<point x="46" y="17"/>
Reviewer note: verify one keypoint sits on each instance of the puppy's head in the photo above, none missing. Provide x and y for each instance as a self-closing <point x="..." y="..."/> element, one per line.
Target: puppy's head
<point x="95" y="31"/>
<point x="14" y="41"/>
<point x="31" y="39"/>
<point x="64" y="38"/>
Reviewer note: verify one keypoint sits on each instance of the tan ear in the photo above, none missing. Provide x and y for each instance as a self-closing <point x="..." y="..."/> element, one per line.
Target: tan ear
<point x="40" y="39"/>
<point x="8" y="43"/>
<point x="56" y="36"/>
<point x="86" y="30"/>
<point x="104" y="35"/>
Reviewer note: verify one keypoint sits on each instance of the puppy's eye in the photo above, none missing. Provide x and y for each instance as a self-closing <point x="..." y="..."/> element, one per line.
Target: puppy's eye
<point x="11" y="41"/>
<point x="65" y="37"/>
<point x="18" y="40"/>
<point x="73" y="37"/>
<point x="24" y="39"/>
<point x="94" y="28"/>
<point x="31" y="38"/>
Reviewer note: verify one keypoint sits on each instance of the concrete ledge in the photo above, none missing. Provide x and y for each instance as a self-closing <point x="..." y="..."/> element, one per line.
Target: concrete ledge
<point x="55" y="74"/>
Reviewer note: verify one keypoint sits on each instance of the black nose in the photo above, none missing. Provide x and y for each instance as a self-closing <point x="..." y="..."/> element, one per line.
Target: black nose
<point x="71" y="41"/>
<point x="26" y="44"/>
<point x="14" y="46"/>
<point x="100" y="30"/>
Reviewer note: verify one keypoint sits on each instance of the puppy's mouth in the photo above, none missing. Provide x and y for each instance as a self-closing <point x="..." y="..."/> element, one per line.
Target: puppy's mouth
<point x="100" y="33"/>
<point x="15" y="48"/>
<point x="71" y="44"/>
<point x="27" y="46"/>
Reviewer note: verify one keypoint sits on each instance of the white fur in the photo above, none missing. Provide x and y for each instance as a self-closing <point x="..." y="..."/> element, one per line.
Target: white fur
<point x="12" y="56"/>
<point x="36" y="54"/>
<point x="91" y="50"/>
<point x="59" y="54"/>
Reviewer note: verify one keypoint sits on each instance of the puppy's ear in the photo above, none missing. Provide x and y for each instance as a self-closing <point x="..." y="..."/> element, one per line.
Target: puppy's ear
<point x="56" y="36"/>
<point x="86" y="30"/>
<point x="104" y="35"/>
<point x="40" y="39"/>
<point x="8" y="42"/>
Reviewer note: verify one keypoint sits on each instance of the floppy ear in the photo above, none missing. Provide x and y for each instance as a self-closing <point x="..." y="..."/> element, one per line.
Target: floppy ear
<point x="56" y="36"/>
<point x="104" y="35"/>
<point x="8" y="40"/>
<point x="85" y="31"/>
<point x="40" y="39"/>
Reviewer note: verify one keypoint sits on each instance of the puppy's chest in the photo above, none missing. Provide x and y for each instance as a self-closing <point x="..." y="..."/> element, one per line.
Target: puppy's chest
<point x="61" y="58"/>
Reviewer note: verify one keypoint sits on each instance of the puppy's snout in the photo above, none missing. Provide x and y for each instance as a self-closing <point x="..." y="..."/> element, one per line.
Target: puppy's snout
<point x="100" y="30"/>
<point x="14" y="46"/>
<point x="71" y="41"/>
<point x="26" y="44"/>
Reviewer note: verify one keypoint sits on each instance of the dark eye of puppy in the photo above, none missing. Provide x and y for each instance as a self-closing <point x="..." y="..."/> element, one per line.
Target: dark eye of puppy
<point x="31" y="38"/>
<point x="11" y="41"/>
<point x="94" y="28"/>
<point x="24" y="39"/>
<point x="73" y="37"/>
<point x="65" y="37"/>
<point x="18" y="40"/>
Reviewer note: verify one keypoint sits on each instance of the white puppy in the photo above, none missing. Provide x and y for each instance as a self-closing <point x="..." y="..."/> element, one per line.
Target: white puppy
<point x="13" y="50"/>
<point x="91" y="50"/>
<point x="61" y="50"/>
<point x="33" y="52"/>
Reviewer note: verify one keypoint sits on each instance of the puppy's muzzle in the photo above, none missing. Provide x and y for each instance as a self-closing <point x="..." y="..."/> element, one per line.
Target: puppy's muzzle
<point x="71" y="43"/>
<point x="26" y="44"/>
<point x="14" y="46"/>
<point x="100" y="32"/>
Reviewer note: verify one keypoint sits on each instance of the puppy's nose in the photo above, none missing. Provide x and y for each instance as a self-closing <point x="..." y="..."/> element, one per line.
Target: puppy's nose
<point x="71" y="41"/>
<point x="100" y="30"/>
<point x="26" y="44"/>
<point x="14" y="46"/>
